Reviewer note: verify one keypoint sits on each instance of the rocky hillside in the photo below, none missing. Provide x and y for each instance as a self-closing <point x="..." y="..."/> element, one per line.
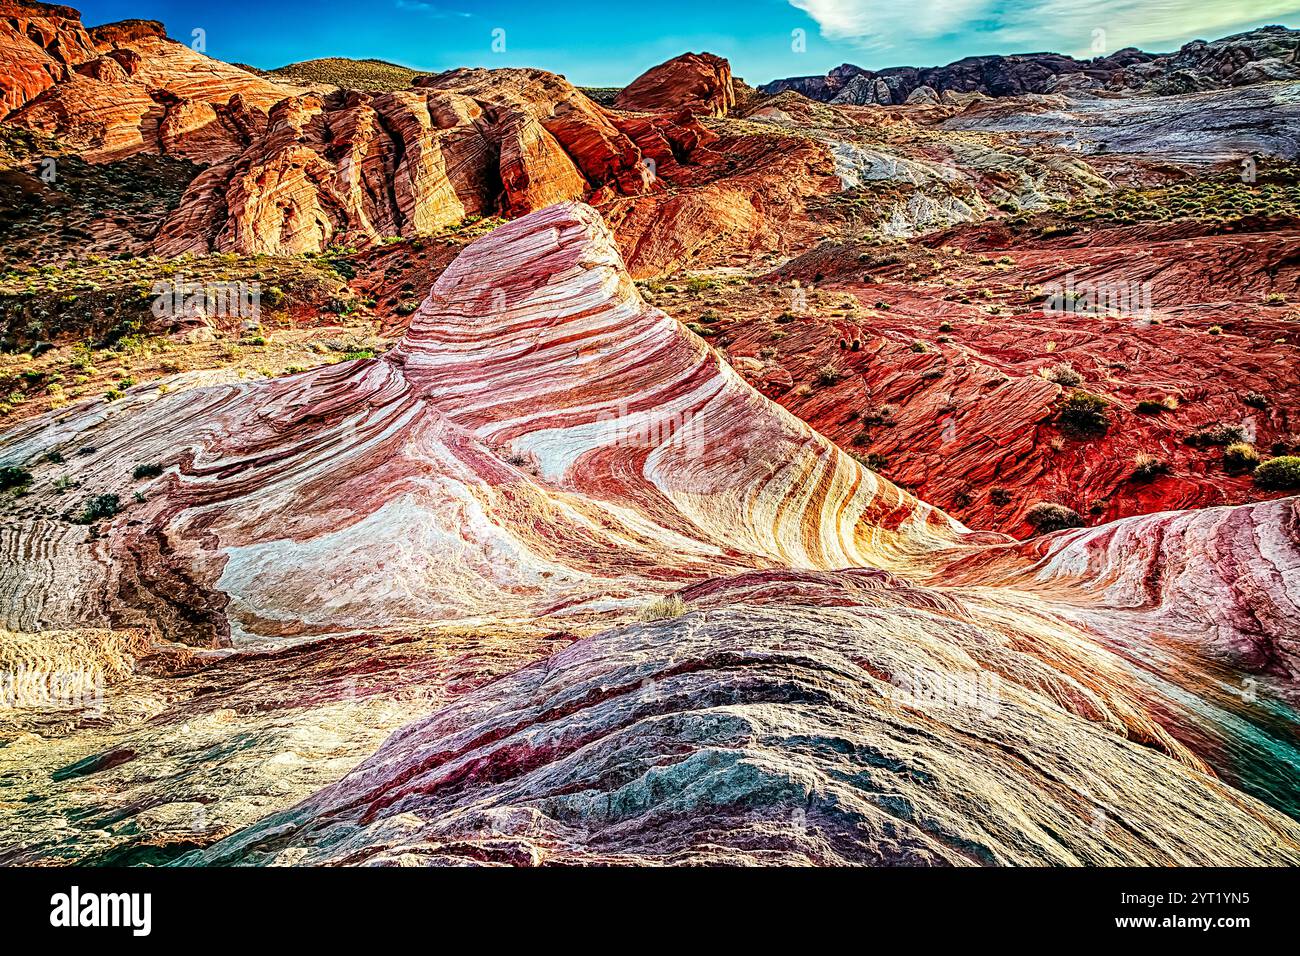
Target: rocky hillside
<point x="456" y="469"/>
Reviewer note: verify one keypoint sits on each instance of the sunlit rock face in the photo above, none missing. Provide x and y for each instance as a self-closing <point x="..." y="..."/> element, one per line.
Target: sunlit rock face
<point x="852" y="675"/>
<point x="292" y="170"/>
<point x="694" y="82"/>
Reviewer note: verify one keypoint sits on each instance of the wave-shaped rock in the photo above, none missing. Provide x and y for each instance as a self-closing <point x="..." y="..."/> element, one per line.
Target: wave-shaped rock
<point x="856" y="677"/>
<point x="794" y="719"/>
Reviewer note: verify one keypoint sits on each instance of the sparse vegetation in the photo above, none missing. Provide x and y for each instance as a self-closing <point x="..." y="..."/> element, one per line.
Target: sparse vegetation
<point x="1083" y="415"/>
<point x="97" y="507"/>
<point x="1240" y="457"/>
<point x="12" y="477"/>
<point x="1048" y="516"/>
<point x="1062" y="374"/>
<point x="372" y="75"/>
<point x="662" y="608"/>
<point x="1148" y="406"/>
<point x="146" y="471"/>
<point x="1279" y="474"/>
<point x="827" y="375"/>
<point x="1215" y="435"/>
<point x="1147" y="467"/>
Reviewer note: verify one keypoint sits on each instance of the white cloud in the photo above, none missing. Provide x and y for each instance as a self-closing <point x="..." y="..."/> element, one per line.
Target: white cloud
<point x="1061" y="25"/>
<point x="428" y="9"/>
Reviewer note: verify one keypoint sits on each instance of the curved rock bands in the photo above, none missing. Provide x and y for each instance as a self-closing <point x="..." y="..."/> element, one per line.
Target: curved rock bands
<point x="867" y="723"/>
<point x="857" y="677"/>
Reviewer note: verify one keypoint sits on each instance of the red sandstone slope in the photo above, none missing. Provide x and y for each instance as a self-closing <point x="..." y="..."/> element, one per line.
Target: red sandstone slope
<point x="692" y="82"/>
<point x="126" y="88"/>
<point x="953" y="379"/>
<point x="39" y="42"/>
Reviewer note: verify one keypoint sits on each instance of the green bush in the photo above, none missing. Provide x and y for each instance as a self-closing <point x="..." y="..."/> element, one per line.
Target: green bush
<point x="99" y="506"/>
<point x="1083" y="415"/>
<point x="1279" y="474"/>
<point x="14" y="477"/>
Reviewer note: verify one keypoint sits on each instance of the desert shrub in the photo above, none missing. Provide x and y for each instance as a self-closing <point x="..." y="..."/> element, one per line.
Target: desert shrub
<point x="1047" y="516"/>
<point x="1215" y="330"/>
<point x="99" y="506"/>
<point x="1147" y="467"/>
<point x="1149" y="406"/>
<point x="662" y="608"/>
<point x="13" y="477"/>
<point x="945" y="326"/>
<point x="1240" y="457"/>
<point x="1083" y="415"/>
<point x="1290" y="445"/>
<point x="1279" y="474"/>
<point x="785" y="318"/>
<point x="1063" y="374"/>
<point x="919" y="347"/>
<point x="827" y="375"/>
<point x="147" y="471"/>
<point x="1255" y="400"/>
<point x="1000" y="496"/>
<point x="1215" y="435"/>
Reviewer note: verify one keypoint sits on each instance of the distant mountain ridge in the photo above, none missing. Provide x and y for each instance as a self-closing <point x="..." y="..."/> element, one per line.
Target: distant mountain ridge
<point x="1268" y="53"/>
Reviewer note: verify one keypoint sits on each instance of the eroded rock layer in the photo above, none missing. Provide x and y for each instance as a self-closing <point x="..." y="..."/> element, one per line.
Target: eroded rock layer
<point x="850" y="675"/>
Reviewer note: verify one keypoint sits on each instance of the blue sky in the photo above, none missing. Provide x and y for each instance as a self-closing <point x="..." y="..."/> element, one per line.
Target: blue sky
<point x="609" y="42"/>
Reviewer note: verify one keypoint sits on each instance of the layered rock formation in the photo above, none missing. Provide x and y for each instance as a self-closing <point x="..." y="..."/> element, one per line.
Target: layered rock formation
<point x="39" y="43"/>
<point x="126" y="88"/>
<point x="351" y="167"/>
<point x="693" y="82"/>
<point x="292" y="171"/>
<point x="852" y="676"/>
